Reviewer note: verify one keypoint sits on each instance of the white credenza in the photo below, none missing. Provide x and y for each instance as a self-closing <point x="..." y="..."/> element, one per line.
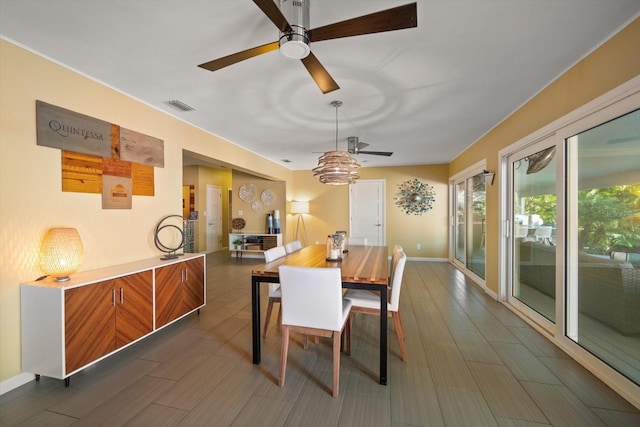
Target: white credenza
<point x="254" y="244"/>
<point x="70" y="325"/>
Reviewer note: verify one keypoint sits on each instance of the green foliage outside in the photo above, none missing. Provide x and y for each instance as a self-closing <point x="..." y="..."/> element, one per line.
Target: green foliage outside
<point x="608" y="218"/>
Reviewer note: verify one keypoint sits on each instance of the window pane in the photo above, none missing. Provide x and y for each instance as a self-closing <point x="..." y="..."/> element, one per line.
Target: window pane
<point x="603" y="264"/>
<point x="534" y="180"/>
<point x="460" y="227"/>
<point x="476" y="210"/>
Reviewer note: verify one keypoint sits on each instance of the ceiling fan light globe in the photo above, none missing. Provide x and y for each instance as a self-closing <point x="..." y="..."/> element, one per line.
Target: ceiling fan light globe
<point x="294" y="46"/>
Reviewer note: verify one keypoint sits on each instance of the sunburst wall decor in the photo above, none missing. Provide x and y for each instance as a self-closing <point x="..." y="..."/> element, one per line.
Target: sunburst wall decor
<point x="415" y="197"/>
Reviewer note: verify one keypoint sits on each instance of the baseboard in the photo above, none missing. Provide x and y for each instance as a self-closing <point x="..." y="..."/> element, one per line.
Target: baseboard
<point x="15" y="382"/>
<point x="427" y="259"/>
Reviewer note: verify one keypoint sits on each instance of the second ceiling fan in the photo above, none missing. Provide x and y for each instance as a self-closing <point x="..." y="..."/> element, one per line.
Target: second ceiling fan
<point x="295" y="35"/>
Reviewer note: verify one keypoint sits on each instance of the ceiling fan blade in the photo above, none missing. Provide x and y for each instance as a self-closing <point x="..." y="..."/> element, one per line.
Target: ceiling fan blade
<point x="361" y="145"/>
<point x="234" y="58"/>
<point x="396" y="18"/>
<point x="269" y="8"/>
<point x="377" y="153"/>
<point x="319" y="74"/>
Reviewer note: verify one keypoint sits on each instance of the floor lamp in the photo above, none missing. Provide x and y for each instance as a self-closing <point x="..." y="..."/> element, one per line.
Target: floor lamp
<point x="300" y="208"/>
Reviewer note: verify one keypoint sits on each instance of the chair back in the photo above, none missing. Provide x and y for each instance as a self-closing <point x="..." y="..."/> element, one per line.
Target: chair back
<point x="293" y="246"/>
<point x="357" y="241"/>
<point x="274" y="253"/>
<point x="396" y="281"/>
<point x="311" y="297"/>
<point x="397" y="251"/>
<point x="543" y="232"/>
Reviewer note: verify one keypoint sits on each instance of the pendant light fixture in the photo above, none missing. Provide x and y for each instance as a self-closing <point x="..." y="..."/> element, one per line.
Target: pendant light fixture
<point x="336" y="167"/>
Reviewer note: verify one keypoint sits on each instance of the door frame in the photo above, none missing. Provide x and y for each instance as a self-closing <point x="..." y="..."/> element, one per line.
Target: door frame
<point x="383" y="207"/>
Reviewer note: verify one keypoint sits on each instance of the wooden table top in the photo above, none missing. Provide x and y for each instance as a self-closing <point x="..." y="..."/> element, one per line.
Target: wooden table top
<point x="362" y="264"/>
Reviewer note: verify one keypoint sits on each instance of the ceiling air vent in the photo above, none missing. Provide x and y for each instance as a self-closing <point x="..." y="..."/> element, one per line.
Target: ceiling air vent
<point x="180" y="105"/>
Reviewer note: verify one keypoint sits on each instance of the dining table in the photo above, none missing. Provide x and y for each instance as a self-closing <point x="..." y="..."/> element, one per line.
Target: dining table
<point x="362" y="267"/>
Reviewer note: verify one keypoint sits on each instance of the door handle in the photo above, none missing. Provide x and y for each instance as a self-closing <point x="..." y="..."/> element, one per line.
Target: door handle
<point x="113" y="297"/>
<point x="378" y="225"/>
<point x="121" y="295"/>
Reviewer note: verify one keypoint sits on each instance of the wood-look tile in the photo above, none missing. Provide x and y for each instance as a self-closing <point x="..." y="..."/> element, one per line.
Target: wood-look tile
<point x="586" y="386"/>
<point x="617" y="418"/>
<point x="560" y="406"/>
<point x="414" y="400"/>
<point x="474" y="347"/>
<point x="363" y="410"/>
<point x="263" y="411"/>
<point x="157" y="416"/>
<point x="193" y="386"/>
<point x="29" y="399"/>
<point x="494" y="331"/>
<point x="127" y="404"/>
<point x="80" y="401"/>
<point x="173" y="345"/>
<point x="315" y="405"/>
<point x="46" y="419"/>
<point x="448" y="368"/>
<point x="435" y="333"/>
<point x="537" y="344"/>
<point x="504" y="394"/>
<point x="178" y="366"/>
<point x="223" y="403"/>
<point x="463" y="407"/>
<point x="511" y="422"/>
<point x="523" y="364"/>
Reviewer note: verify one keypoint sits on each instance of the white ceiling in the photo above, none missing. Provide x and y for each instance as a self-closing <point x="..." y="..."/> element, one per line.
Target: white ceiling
<point x="424" y="93"/>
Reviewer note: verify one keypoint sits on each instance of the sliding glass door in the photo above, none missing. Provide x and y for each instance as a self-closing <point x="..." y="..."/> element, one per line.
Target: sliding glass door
<point x="603" y="242"/>
<point x="470" y="223"/>
<point x="533" y="229"/>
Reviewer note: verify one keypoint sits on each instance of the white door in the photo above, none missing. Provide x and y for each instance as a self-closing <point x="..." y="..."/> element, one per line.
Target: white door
<point x="366" y="208"/>
<point x="214" y="218"/>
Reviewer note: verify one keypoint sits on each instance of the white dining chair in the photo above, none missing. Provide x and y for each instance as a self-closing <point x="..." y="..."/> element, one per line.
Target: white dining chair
<point x="369" y="302"/>
<point x="274" y="288"/>
<point x="357" y="241"/>
<point x="312" y="304"/>
<point x="292" y="247"/>
<point x="397" y="251"/>
<point x="543" y="234"/>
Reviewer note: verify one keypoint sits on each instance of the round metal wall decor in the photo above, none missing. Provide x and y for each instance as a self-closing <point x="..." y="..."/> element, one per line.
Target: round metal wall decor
<point x="415" y="197"/>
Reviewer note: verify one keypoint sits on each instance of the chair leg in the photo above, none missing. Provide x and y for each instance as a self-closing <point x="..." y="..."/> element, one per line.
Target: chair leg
<point x="284" y="351"/>
<point x="336" y="362"/>
<point x="400" y="333"/>
<point x="267" y="318"/>
<point x="348" y="333"/>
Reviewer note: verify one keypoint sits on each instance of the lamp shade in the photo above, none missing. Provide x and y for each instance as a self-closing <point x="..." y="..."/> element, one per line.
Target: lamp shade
<point x="61" y="253"/>
<point x="299" y="207"/>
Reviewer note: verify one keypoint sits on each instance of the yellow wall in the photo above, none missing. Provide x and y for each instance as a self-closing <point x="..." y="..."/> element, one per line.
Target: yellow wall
<point x="199" y="177"/>
<point x="256" y="221"/>
<point x="31" y="200"/>
<point x="613" y="63"/>
<point x="329" y="209"/>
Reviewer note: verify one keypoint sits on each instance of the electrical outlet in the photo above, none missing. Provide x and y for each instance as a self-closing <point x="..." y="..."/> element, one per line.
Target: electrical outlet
<point x="418" y="246"/>
<point x="240" y="212"/>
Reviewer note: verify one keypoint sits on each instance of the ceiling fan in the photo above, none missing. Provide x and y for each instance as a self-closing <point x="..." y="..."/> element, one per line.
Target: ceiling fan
<point x="355" y="147"/>
<point x="295" y="35"/>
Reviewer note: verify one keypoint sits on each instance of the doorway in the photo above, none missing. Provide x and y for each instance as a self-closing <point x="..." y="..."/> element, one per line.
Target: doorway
<point x="366" y="211"/>
<point x="214" y="218"/>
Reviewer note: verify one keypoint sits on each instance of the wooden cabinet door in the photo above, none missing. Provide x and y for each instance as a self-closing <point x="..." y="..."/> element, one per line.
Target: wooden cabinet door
<point x="90" y="323"/>
<point x="169" y="293"/>
<point x="193" y="290"/>
<point x="134" y="307"/>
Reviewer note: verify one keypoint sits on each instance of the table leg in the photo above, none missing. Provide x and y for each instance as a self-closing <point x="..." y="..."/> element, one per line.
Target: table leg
<point x="255" y="318"/>
<point x="383" y="337"/>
